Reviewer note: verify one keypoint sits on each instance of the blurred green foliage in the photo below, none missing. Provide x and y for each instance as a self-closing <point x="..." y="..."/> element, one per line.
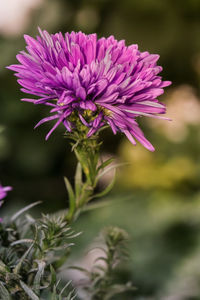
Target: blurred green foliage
<point x="158" y="199"/>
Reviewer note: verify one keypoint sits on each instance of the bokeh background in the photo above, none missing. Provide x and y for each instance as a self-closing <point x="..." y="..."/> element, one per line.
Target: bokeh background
<point x="157" y="197"/>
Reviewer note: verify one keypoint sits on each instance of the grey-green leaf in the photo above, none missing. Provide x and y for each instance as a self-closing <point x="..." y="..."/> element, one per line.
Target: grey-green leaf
<point x="21" y="211"/>
<point x="18" y="266"/>
<point x="38" y="276"/>
<point x="28" y="291"/>
<point x="22" y="241"/>
<point x="4" y="294"/>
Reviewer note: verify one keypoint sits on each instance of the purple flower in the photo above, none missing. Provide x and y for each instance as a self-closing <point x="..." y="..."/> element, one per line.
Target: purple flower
<point x="91" y="82"/>
<point x="3" y="192"/>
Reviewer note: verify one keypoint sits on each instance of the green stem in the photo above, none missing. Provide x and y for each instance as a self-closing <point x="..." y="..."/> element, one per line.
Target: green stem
<point x="87" y="154"/>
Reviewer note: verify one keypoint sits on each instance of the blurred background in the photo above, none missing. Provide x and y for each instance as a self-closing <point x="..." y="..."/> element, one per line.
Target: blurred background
<point x="157" y="196"/>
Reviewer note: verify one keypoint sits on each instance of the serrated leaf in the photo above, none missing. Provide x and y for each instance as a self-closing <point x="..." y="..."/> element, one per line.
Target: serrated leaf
<point x="107" y="189"/>
<point x="4" y="293"/>
<point x="28" y="291"/>
<point x="18" y="266"/>
<point x="78" y="179"/>
<point x="21" y="211"/>
<point x="72" y="200"/>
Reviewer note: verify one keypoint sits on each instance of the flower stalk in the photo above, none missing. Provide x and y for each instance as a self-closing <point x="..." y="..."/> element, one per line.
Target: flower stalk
<point x="86" y="151"/>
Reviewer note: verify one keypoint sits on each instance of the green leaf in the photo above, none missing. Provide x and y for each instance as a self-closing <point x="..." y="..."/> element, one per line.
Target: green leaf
<point x="18" y="266"/>
<point x="53" y="275"/>
<point x="105" y="163"/>
<point x="107" y="189"/>
<point x="28" y="291"/>
<point x="21" y="211"/>
<point x="97" y="205"/>
<point x="109" y="169"/>
<point x="72" y="200"/>
<point x="78" y="179"/>
<point x="4" y="292"/>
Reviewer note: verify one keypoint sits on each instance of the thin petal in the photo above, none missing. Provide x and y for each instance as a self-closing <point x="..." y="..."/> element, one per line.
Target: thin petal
<point x="47" y="119"/>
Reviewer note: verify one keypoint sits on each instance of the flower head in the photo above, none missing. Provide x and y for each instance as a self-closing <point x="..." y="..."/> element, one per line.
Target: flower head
<point x="91" y="82"/>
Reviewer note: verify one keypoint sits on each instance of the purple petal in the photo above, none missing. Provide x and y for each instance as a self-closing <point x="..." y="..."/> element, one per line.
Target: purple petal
<point x="54" y="127"/>
<point x="80" y="93"/>
<point x="47" y="119"/>
<point x="83" y="120"/>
